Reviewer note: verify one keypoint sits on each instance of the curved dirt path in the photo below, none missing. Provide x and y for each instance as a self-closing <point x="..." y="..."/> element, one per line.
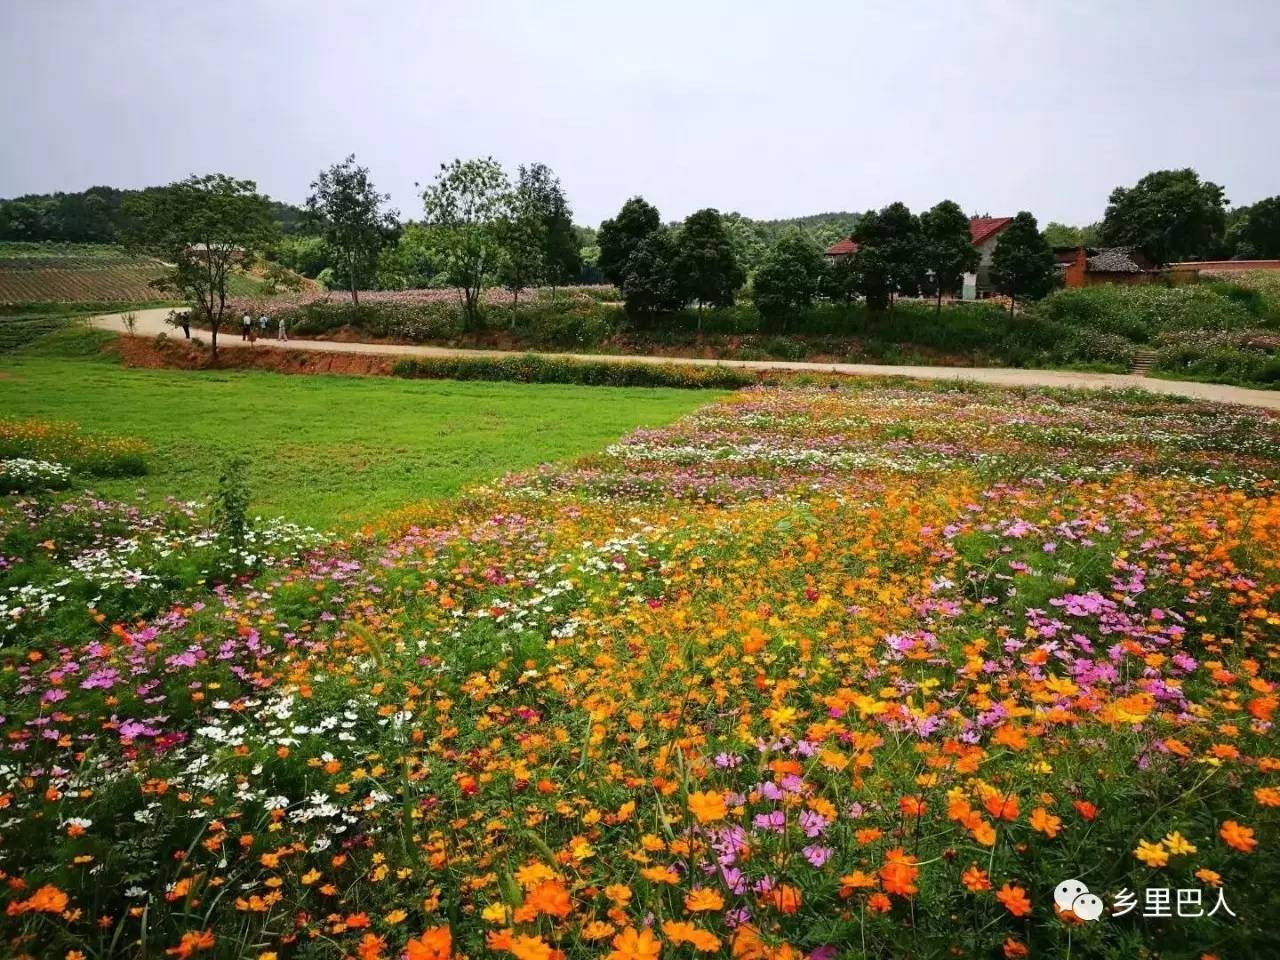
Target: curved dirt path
<point x="148" y="323"/>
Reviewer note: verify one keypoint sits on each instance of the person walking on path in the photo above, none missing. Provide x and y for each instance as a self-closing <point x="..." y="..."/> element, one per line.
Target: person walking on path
<point x="283" y="333"/>
<point x="262" y="325"/>
<point x="246" y="327"/>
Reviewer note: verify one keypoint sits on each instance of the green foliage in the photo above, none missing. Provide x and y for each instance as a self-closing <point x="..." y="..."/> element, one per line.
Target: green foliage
<point x="1023" y="266"/>
<point x="536" y="368"/>
<point x="97" y="215"/>
<point x="206" y="227"/>
<point x="706" y="267"/>
<point x="1061" y="235"/>
<point x="946" y="248"/>
<point x="349" y="210"/>
<point x="464" y="207"/>
<point x="890" y="254"/>
<point x="652" y="284"/>
<point x="1254" y="233"/>
<point x="1246" y="358"/>
<point x="522" y="234"/>
<point x="1169" y="215"/>
<point x="619" y="238"/>
<point x="411" y="263"/>
<point x="791" y="276"/>
<point x="231" y="517"/>
<point x="540" y="192"/>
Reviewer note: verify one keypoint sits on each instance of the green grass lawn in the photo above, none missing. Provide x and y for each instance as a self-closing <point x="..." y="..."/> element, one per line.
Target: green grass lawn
<point x="325" y="450"/>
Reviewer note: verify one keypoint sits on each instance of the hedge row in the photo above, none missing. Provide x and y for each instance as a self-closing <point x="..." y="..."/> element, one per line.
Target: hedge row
<point x="535" y="368"/>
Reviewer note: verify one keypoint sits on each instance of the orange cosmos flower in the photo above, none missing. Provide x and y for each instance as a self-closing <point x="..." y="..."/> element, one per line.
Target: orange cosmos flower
<point x="371" y="947"/>
<point x="550" y="898"/>
<point x="1045" y="822"/>
<point x="708" y="807"/>
<point x="632" y="944"/>
<point x="855" y="881"/>
<point x="526" y="947"/>
<point x="785" y="898"/>
<point x="190" y="943"/>
<point x="1002" y="806"/>
<point x="434" y="944"/>
<point x="1267" y="796"/>
<point x="1237" y="837"/>
<point x="975" y="879"/>
<point x="1086" y="809"/>
<point x="703" y="899"/>
<point x="879" y="903"/>
<point x="898" y="874"/>
<point x="1014" y="900"/>
<point x="47" y="899"/>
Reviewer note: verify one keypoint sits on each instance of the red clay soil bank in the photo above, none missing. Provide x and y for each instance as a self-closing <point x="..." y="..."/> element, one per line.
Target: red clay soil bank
<point x="177" y="354"/>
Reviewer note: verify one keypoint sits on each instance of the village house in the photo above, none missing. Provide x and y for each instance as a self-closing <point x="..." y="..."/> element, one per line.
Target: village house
<point x="984" y="233"/>
<point x="1086" y="266"/>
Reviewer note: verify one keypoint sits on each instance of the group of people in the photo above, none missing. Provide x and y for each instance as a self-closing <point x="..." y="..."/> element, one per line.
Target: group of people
<point x="246" y="328"/>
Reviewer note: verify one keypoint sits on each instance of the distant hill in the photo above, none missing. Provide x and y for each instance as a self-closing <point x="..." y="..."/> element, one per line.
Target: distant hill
<point x="95" y="215"/>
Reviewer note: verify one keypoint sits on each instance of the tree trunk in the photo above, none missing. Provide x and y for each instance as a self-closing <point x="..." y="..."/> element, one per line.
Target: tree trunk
<point x="515" y="307"/>
<point x="351" y="277"/>
<point x="938" y="309"/>
<point x="1012" y="300"/>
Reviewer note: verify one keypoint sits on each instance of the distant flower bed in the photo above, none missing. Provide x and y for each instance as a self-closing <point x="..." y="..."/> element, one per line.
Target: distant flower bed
<point x="66" y="444"/>
<point x="20" y="475"/>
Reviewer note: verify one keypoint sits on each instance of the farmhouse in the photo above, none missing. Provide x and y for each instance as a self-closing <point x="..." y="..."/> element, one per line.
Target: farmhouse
<point x="1087" y="266"/>
<point x="984" y="233"/>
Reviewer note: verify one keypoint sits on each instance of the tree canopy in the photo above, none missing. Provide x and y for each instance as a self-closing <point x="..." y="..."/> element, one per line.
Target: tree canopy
<point x="1170" y="215"/>
<point x="651" y="284"/>
<point x="464" y="209"/>
<point x="791" y="276"/>
<point x="946" y="249"/>
<point x="706" y="267"/>
<point x="349" y="210"/>
<point x="1023" y="266"/>
<point x="1255" y="231"/>
<point x="619" y="237"/>
<point x="542" y="198"/>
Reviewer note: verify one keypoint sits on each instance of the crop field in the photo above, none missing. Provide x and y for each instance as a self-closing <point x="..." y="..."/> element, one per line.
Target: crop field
<point x="66" y="273"/>
<point x="863" y="671"/>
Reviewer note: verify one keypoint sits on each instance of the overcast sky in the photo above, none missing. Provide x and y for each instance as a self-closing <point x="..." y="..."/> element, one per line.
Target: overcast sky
<point x="772" y="109"/>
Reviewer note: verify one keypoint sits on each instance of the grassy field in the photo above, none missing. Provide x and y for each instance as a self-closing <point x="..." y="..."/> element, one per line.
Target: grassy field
<point x="328" y="451"/>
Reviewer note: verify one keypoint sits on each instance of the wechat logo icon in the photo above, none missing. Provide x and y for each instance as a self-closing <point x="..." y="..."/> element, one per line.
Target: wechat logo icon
<point x="1074" y="897"/>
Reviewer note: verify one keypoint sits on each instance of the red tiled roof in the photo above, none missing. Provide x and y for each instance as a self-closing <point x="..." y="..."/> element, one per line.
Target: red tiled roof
<point x="982" y="229"/>
<point x="841" y="248"/>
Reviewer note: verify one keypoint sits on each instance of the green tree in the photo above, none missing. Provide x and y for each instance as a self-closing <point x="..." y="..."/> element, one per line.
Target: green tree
<point x="522" y="235"/>
<point x="1170" y="215"/>
<point x="790" y="277"/>
<point x="618" y="238"/>
<point x="1255" y="232"/>
<point x="841" y="281"/>
<point x="1023" y="265"/>
<point x="561" y="251"/>
<point x="464" y="207"/>
<point x="204" y="226"/>
<point x="706" y="267"/>
<point x="1062" y="235"/>
<point x="651" y="284"/>
<point x="349" y="209"/>
<point x="946" y="250"/>
<point x="890" y="256"/>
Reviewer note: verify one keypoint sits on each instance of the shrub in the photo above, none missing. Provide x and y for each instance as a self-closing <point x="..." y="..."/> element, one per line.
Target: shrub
<point x="1140" y="313"/>
<point x="535" y="368"/>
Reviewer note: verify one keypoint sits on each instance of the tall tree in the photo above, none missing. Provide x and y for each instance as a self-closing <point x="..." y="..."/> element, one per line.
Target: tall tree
<point x="652" y="284"/>
<point x="947" y="252"/>
<point x="204" y="226"/>
<point x="1255" y="232"/>
<point x="561" y="251"/>
<point x="619" y="237"/>
<point x="890" y="253"/>
<point x="1023" y="265"/>
<point x="1169" y="215"/>
<point x="464" y="209"/>
<point x="706" y="266"/>
<point x="349" y="209"/>
<point x="790" y="277"/>
<point x="522" y="235"/>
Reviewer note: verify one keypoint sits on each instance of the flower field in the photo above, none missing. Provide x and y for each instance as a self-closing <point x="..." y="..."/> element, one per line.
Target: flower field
<point x="851" y="670"/>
